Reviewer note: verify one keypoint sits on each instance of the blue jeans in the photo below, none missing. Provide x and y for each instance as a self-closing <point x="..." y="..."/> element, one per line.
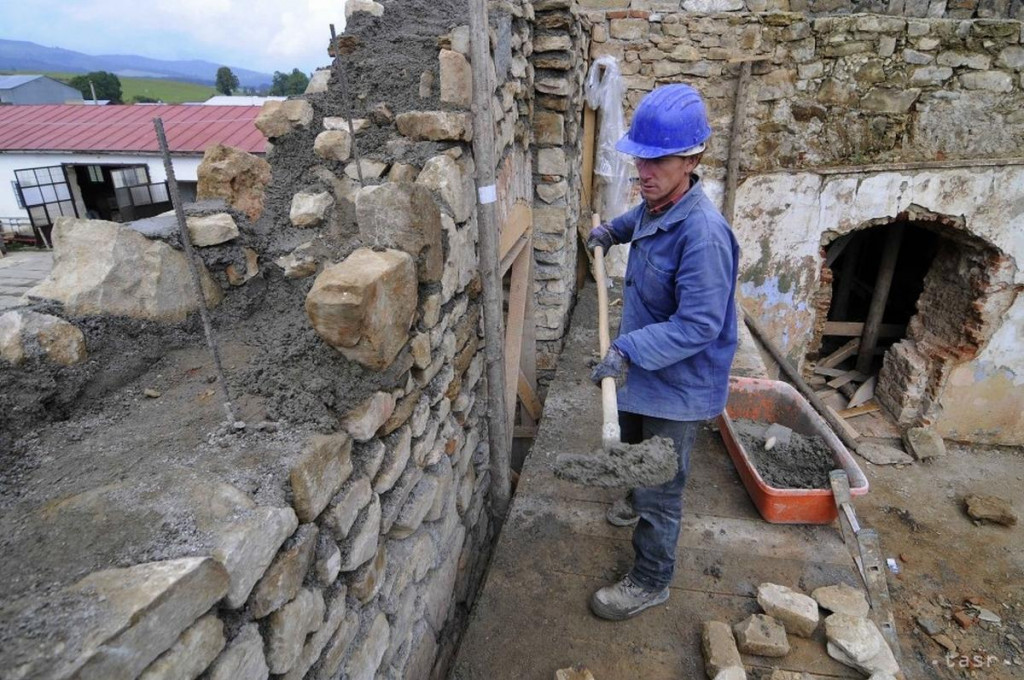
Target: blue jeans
<point x="660" y="507"/>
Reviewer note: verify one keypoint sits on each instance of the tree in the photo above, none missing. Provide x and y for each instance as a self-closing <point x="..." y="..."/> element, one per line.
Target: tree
<point x="227" y="82"/>
<point x="108" y="86"/>
<point x="289" y="83"/>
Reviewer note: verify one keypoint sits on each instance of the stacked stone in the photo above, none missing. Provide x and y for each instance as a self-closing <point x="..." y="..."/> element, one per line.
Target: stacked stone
<point x="559" y="57"/>
<point x="950" y="9"/>
<point x="834" y="90"/>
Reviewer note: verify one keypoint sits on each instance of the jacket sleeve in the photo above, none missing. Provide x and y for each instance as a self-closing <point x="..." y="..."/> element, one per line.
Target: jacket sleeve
<point x="703" y="284"/>
<point x="622" y="226"/>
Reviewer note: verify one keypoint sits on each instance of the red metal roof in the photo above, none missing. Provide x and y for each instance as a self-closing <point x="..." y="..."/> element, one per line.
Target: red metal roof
<point x="73" y="127"/>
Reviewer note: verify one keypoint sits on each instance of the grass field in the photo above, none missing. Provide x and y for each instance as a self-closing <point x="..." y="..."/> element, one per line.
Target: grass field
<point x="167" y="91"/>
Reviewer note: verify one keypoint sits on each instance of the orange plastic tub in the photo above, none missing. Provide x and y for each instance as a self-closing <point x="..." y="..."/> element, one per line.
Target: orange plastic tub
<point x="772" y="401"/>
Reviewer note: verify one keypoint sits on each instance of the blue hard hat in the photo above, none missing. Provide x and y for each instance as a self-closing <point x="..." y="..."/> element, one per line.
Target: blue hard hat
<point x="670" y="120"/>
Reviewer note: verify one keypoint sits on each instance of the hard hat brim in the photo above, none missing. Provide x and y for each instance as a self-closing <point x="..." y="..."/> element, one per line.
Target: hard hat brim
<point x="628" y="146"/>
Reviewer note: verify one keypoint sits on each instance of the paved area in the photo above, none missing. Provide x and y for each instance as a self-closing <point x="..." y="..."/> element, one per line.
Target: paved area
<point x="532" y="616"/>
<point x="19" y="271"/>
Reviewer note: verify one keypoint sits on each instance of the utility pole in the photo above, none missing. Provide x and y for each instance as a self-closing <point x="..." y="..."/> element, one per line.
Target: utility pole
<point x="92" y="88"/>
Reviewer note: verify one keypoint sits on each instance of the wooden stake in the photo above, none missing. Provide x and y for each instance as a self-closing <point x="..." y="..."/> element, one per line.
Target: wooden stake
<point x="739" y="116"/>
<point x="886" y="268"/>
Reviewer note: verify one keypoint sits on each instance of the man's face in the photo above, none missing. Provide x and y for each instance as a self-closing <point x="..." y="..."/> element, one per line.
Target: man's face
<point x="662" y="177"/>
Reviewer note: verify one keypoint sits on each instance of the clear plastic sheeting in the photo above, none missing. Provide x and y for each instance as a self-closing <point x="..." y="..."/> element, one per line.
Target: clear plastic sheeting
<point x="604" y="93"/>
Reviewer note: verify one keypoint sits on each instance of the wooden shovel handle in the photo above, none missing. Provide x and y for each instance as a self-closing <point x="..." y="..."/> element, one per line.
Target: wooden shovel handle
<point x="611" y="435"/>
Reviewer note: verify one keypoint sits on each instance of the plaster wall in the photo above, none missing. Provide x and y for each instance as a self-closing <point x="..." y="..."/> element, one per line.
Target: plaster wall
<point x="783" y="219"/>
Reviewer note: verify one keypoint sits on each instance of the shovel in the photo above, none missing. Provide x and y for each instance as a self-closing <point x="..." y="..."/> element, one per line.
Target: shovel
<point x="649" y="463"/>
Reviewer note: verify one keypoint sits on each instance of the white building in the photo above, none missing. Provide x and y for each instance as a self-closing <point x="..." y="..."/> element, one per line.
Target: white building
<point x="105" y="162"/>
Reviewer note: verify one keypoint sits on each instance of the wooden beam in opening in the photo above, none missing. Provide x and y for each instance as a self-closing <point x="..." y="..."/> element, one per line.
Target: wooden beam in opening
<point x="879" y="298"/>
<point x="520" y="219"/>
<point x="529" y="396"/>
<point x="848" y="376"/>
<point x="519" y="290"/>
<point x="864" y="392"/>
<point x="854" y="329"/>
<point x="525" y="431"/>
<point x="829" y="372"/>
<point x="840" y="355"/>
<point x="869" y="407"/>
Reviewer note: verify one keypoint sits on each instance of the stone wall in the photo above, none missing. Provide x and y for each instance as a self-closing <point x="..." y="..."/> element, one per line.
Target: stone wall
<point x="559" y="60"/>
<point x="951" y="9"/>
<point x="344" y="535"/>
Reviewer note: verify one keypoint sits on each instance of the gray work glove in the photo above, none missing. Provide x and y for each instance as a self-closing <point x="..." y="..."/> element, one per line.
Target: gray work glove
<point x="615" y="365"/>
<point x="601" y="236"/>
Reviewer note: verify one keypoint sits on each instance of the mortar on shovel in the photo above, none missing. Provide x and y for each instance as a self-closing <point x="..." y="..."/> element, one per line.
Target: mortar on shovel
<point x="616" y="464"/>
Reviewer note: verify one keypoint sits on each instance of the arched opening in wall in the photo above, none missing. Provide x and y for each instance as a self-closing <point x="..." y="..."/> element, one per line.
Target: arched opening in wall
<point x="904" y="300"/>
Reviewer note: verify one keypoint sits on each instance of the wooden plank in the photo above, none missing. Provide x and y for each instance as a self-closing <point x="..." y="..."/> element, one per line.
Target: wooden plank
<point x="529" y="396"/>
<point x="864" y="392"/>
<point x="851" y="432"/>
<point x="840" y="355"/>
<point x="525" y="431"/>
<point x="829" y="372"/>
<point x="869" y="407"/>
<point x="848" y="376"/>
<point x="739" y="116"/>
<point x="520" y="219"/>
<point x="513" y="254"/>
<point x="589" y="152"/>
<point x="879" y="297"/>
<point x="854" y="329"/>
<point x="519" y="290"/>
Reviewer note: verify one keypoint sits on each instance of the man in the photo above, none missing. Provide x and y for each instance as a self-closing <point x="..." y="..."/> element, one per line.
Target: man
<point x="677" y="337"/>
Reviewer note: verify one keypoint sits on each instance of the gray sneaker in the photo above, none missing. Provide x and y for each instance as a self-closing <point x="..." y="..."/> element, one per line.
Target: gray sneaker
<point x="625" y="599"/>
<point x="622" y="514"/>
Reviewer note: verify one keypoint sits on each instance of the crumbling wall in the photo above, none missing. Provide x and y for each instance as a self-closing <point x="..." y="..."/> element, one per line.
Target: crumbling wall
<point x="341" y="527"/>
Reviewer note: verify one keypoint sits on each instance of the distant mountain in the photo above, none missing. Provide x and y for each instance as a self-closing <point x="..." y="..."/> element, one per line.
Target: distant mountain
<point x="19" y="55"/>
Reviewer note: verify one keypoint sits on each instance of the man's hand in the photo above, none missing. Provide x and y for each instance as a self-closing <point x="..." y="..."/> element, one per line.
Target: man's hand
<point x="614" y="365"/>
<point x="601" y="236"/>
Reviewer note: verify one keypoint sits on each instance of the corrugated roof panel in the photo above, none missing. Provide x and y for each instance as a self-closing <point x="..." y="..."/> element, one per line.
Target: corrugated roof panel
<point x="190" y="129"/>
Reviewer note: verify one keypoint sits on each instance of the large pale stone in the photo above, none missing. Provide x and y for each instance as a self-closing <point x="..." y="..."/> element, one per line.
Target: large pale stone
<point x="242" y="659"/>
<point x="284" y="578"/>
<point x="211" y="230"/>
<point x="327" y="565"/>
<point x="437" y="596"/>
<point x="333" y="145"/>
<point x="137" y="614"/>
<point x="796" y="611"/>
<point x="194" y="651"/>
<point x="299" y="263"/>
<point x="236" y="176"/>
<point x="456" y="79"/>
<point x="461" y="264"/>
<point x="247" y="546"/>
<point x="363" y="421"/>
<point x="435" y="125"/>
<point x="24" y="334"/>
<point x="1012" y="58"/>
<point x="994" y="81"/>
<point x="549" y="128"/>
<point x="366" y="581"/>
<point x="370" y="168"/>
<point x="278" y="118"/>
<point x="341" y="514"/>
<point x="552" y="161"/>
<point x="316" y="642"/>
<point x="374" y="9"/>
<point x="980" y="62"/>
<point x="338" y="647"/>
<point x="761" y="635"/>
<point x="924" y="443"/>
<point x="720" y="653"/>
<point x="364" y="306"/>
<point x="629" y="29"/>
<point x="443" y="175"/>
<point x="323" y="468"/>
<point x="890" y="99"/>
<point x="309" y="210"/>
<point x="842" y="599"/>
<point x="858" y="643"/>
<point x="712" y="6"/>
<point x="288" y="627"/>
<point x="399" y="448"/>
<point x="319" y="82"/>
<point x="991" y="509"/>
<point x="361" y="544"/>
<point x="103" y="268"/>
<point x="362" y="663"/>
<point x="405" y="216"/>
<point x="416" y="507"/>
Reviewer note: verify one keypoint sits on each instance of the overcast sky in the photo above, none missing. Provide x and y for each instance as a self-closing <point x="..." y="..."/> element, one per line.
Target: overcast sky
<point x="263" y="35"/>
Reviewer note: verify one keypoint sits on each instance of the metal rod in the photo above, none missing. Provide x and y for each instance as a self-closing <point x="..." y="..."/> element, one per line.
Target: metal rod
<point x="343" y="80"/>
<point x="483" y="155"/>
<point x="193" y="267"/>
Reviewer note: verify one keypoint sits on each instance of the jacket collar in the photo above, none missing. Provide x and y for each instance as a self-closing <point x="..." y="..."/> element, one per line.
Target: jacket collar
<point x="679" y="211"/>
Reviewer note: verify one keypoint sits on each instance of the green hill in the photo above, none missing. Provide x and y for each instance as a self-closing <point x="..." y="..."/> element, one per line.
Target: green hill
<point x="167" y="91"/>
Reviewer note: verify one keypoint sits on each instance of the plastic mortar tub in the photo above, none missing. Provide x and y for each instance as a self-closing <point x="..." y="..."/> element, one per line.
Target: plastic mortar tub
<point x="772" y="401"/>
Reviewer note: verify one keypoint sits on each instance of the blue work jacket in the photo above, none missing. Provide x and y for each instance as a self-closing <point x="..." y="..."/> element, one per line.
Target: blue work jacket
<point x="678" y="325"/>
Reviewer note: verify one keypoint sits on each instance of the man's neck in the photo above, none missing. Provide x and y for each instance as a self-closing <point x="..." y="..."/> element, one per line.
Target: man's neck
<point x="659" y="207"/>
